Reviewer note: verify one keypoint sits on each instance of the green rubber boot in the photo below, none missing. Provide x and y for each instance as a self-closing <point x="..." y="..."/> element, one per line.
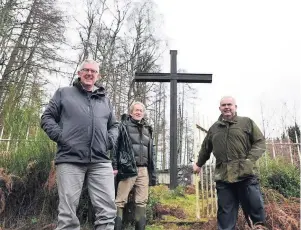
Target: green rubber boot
<point x="140" y="218"/>
<point x="118" y="219"/>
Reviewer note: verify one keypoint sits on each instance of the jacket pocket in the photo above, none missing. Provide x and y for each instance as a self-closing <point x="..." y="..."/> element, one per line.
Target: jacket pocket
<point x="104" y="135"/>
<point x="246" y="168"/>
<point x="72" y="152"/>
<point x="64" y="151"/>
<point x="100" y="141"/>
<point x="233" y="168"/>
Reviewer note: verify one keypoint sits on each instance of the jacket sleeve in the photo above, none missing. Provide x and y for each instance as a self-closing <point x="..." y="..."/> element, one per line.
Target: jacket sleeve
<point x="152" y="167"/>
<point x="112" y="127"/>
<point x="51" y="117"/>
<point x="115" y="152"/>
<point x="205" y="151"/>
<point x="258" y="145"/>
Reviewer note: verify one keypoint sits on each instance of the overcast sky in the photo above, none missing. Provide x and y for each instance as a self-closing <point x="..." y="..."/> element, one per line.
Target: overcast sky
<point x="252" y="48"/>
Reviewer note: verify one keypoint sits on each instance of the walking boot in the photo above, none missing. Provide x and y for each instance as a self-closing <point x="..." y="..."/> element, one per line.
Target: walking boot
<point x="118" y="219"/>
<point x="140" y="218"/>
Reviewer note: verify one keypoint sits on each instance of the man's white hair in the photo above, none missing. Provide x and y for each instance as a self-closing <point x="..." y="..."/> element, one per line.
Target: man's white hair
<point x="88" y="61"/>
<point x="137" y="103"/>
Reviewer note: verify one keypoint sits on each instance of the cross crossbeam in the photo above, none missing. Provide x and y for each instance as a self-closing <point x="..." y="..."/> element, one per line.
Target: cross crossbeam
<point x="167" y="77"/>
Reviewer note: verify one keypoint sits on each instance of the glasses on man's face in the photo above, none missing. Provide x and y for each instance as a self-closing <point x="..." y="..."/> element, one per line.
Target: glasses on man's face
<point x="89" y="70"/>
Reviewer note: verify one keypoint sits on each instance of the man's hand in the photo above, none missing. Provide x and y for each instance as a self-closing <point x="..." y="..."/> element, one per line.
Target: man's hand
<point x="196" y="169"/>
<point x="115" y="172"/>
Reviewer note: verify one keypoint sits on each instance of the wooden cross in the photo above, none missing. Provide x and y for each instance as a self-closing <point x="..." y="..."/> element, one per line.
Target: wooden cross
<point x="173" y="77"/>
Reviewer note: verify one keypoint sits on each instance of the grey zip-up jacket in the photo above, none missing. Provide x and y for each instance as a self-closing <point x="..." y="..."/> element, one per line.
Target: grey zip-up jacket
<point x="83" y="125"/>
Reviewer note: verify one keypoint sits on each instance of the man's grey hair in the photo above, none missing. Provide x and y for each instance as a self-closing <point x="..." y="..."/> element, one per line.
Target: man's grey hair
<point x="137" y="103"/>
<point x="226" y="97"/>
<point x="88" y="61"/>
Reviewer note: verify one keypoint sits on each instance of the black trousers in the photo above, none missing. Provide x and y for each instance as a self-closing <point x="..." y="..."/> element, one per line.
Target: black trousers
<point x="230" y="195"/>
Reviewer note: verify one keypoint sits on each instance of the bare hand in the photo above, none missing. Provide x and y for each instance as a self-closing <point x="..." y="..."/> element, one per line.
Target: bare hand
<point x="115" y="172"/>
<point x="196" y="169"/>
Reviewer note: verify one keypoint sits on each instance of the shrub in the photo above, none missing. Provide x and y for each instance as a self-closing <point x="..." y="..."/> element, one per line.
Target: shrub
<point x="179" y="191"/>
<point x="154" y="198"/>
<point x="281" y="175"/>
<point x="26" y="160"/>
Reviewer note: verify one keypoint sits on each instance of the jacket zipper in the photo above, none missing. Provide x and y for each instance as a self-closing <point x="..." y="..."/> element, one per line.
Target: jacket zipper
<point x="227" y="134"/>
<point x="92" y="127"/>
<point x="141" y="144"/>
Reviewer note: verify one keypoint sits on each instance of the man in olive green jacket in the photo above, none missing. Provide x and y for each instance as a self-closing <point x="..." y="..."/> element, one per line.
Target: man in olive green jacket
<point x="237" y="143"/>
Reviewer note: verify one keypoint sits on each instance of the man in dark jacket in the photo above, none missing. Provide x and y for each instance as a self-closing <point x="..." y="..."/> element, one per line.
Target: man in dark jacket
<point x="80" y="119"/>
<point x="237" y="143"/>
<point x="135" y="164"/>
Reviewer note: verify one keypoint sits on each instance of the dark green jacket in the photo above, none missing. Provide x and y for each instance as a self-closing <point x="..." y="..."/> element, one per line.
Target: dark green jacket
<point x="236" y="145"/>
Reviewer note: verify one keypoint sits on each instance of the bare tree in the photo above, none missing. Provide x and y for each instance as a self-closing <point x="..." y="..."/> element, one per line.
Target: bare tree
<point x="31" y="51"/>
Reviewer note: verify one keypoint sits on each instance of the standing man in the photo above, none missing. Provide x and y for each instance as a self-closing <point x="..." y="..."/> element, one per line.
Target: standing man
<point x="80" y="119"/>
<point x="237" y="143"/>
<point x="135" y="164"/>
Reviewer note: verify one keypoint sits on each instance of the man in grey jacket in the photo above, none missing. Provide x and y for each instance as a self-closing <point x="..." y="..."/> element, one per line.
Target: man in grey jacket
<point x="80" y="119"/>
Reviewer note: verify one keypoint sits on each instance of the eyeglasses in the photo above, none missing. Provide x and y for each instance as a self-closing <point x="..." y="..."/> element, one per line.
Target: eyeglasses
<point x="91" y="70"/>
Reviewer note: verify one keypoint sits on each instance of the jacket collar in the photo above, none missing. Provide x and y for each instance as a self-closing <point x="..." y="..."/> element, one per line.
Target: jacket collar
<point x="222" y="121"/>
<point x="98" y="90"/>
<point x="127" y="117"/>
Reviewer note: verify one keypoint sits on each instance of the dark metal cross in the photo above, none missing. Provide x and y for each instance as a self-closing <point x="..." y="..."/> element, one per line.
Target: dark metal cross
<point x="173" y="77"/>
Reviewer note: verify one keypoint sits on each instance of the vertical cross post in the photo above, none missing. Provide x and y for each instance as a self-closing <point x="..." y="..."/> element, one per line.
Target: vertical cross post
<point x="173" y="77"/>
<point x="173" y="121"/>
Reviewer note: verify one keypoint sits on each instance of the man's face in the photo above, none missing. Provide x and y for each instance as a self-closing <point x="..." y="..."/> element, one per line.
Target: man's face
<point x="228" y="107"/>
<point x="88" y="75"/>
<point x="138" y="112"/>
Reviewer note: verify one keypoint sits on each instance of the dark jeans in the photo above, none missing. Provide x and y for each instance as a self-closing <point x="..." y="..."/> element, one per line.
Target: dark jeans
<point x="230" y="195"/>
